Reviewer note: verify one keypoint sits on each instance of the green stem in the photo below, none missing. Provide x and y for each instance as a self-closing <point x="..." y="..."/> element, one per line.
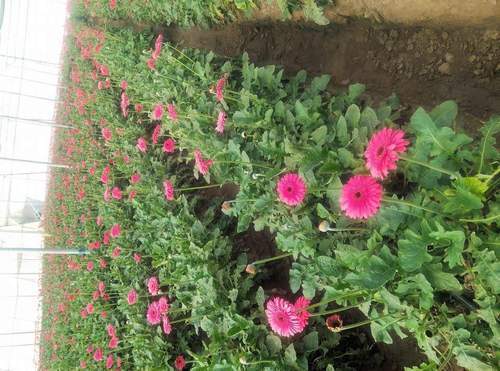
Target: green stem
<point x="262" y="261"/>
<point x="200" y="187"/>
<point x="484" y="220"/>
<point x="353" y="293"/>
<point x="390" y="200"/>
<point x="338" y="310"/>
<point x="363" y="323"/>
<point x="439" y="170"/>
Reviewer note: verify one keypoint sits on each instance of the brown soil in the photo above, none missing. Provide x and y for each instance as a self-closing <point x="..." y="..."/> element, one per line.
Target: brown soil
<point x="422" y="66"/>
<point x="406" y="12"/>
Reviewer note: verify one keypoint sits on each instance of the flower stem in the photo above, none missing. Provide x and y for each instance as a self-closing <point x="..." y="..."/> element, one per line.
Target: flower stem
<point x="435" y="168"/>
<point x="390" y="200"/>
<point x="484" y="220"/>
<point x="338" y="310"/>
<point x="353" y="293"/>
<point x="263" y="261"/>
<point x="200" y="187"/>
<point x="368" y="321"/>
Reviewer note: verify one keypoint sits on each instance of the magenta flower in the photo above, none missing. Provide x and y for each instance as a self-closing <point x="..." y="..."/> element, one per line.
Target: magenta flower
<point x="98" y="355"/>
<point x="142" y="145"/>
<point x="156" y="134"/>
<point x="163" y="305"/>
<point x="166" y="325"/>
<point x="179" y="363"/>
<point x="168" y="190"/>
<point x="202" y="165"/>
<point x="153" y="286"/>
<point x="124" y="103"/>
<point x="111" y="330"/>
<point x="172" y="113"/>
<point x="135" y="178"/>
<point x="282" y="317"/>
<point x="383" y="151"/>
<point x="106" y="134"/>
<point x="116" y="193"/>
<point x="221" y="122"/>
<point x="153" y="315"/>
<point x="116" y="230"/>
<point x="219" y="89"/>
<point x="157" y="113"/>
<point x="361" y="197"/>
<point x="132" y="297"/>
<point x="105" y="175"/>
<point x="291" y="189"/>
<point x="300" y="306"/>
<point x="169" y="145"/>
<point x="109" y="361"/>
<point x="113" y="343"/>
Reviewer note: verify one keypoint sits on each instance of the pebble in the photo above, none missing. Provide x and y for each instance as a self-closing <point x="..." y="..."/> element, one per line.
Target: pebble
<point x="444" y="69"/>
<point x="448" y="57"/>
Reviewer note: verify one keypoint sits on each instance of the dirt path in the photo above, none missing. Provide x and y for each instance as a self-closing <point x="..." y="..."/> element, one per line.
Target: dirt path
<point x="423" y="66"/>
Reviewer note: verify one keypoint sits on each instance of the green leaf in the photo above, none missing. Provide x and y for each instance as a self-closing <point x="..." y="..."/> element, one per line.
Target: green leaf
<point x="314" y="13"/>
<point x="260" y="297"/>
<point x="295" y="280"/>
<point x="368" y="118"/>
<point x="353" y="116"/>
<point x="488" y="150"/>
<point x="469" y="358"/>
<point x="462" y="201"/>
<point x="341" y="132"/>
<point x="445" y="113"/>
<point x="456" y="242"/>
<point x="441" y="281"/>
<point x="373" y="273"/>
<point x="355" y="91"/>
<point x="320" y="134"/>
<point x="417" y="285"/>
<point x="290" y="355"/>
<point x="412" y="254"/>
<point x="319" y="84"/>
<point x="311" y="341"/>
<point x="322" y="212"/>
<point x="273" y="343"/>
<point x="301" y="112"/>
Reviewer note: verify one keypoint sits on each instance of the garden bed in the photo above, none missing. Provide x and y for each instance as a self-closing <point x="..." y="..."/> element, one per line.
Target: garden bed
<point x="227" y="190"/>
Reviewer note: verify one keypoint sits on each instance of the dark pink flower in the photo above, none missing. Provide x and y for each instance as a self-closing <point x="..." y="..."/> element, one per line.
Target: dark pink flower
<point x="113" y="343"/>
<point x="360" y="198"/>
<point x="135" y="178"/>
<point x="106" y="134"/>
<point x="179" y="363"/>
<point x="137" y="258"/>
<point x="116" y="230"/>
<point x="90" y="307"/>
<point x="172" y="113"/>
<point x="219" y="89"/>
<point x="282" y="317"/>
<point x="105" y="175"/>
<point x="112" y="4"/>
<point x="166" y="325"/>
<point x="111" y="330"/>
<point x="300" y="306"/>
<point x="90" y="266"/>
<point x="221" y="122"/>
<point x="157" y="113"/>
<point x="169" y="145"/>
<point x="98" y="356"/>
<point x="116" y="193"/>
<point x="153" y="314"/>
<point x="291" y="189"/>
<point x="153" y="285"/>
<point x="109" y="361"/>
<point x="132" y="297"/>
<point x="202" y="165"/>
<point x="156" y="134"/>
<point x="158" y="46"/>
<point x="383" y="151"/>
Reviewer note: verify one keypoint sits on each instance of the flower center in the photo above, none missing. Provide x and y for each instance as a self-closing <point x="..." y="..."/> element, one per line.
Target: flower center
<point x="357" y="194"/>
<point x="380" y="151"/>
<point x="289" y="189"/>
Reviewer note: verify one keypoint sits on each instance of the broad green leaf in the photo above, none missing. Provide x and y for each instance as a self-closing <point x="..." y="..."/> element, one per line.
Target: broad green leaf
<point x="318" y="84"/>
<point x="322" y="212"/>
<point x="314" y="12"/>
<point x="469" y="358"/>
<point x="311" y="341"/>
<point x="412" y="254"/>
<point x="319" y="135"/>
<point x="355" y="91"/>
<point x="373" y="273"/>
<point x="488" y="151"/>
<point x="273" y="343"/>
<point x="417" y="285"/>
<point x="441" y="281"/>
<point x="341" y="132"/>
<point x="290" y="355"/>
<point x="352" y="116"/>
<point x="455" y="241"/>
<point x="445" y="113"/>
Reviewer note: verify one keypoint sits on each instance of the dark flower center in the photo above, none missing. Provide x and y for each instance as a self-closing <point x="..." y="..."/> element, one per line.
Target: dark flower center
<point x="380" y="151"/>
<point x="357" y="194"/>
<point x="289" y="189"/>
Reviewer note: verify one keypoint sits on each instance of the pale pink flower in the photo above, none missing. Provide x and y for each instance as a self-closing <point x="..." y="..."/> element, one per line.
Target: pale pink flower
<point x="163" y="305"/>
<point x="124" y="85"/>
<point x="116" y="252"/>
<point x="107" y="194"/>
<point x="169" y="145"/>
<point x="156" y="134"/>
<point x="172" y="113"/>
<point x="116" y="193"/>
<point x="153" y="315"/>
<point x="383" y="151"/>
<point x="138" y="107"/>
<point x="105" y="175"/>
<point x="157" y="113"/>
<point x="137" y="258"/>
<point x="111" y="330"/>
<point x="219" y="89"/>
<point x="221" y="122"/>
<point x="142" y="145"/>
<point x="361" y="197"/>
<point x="132" y="297"/>
<point x="124" y="103"/>
<point x="202" y="165"/>
<point x="151" y="63"/>
<point x="282" y="317"/>
<point x="106" y="134"/>
<point x="135" y="178"/>
<point x="90" y="307"/>
<point x="158" y="46"/>
<point x="116" y="230"/>
<point x="90" y="266"/>
<point x="166" y="325"/>
<point x="291" y="189"/>
<point x="153" y="285"/>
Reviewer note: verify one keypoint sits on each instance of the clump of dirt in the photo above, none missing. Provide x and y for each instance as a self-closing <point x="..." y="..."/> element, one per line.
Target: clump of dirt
<point x="423" y="66"/>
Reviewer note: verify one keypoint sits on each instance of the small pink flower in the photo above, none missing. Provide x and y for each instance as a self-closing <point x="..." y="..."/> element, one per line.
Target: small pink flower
<point x="163" y="305"/>
<point x="83" y="364"/>
<point x="132" y="194"/>
<point x="116" y="193"/>
<point x="361" y="197"/>
<point x="98" y="356"/>
<point x="282" y="317"/>
<point x="300" y="307"/>
<point x="112" y="4"/>
<point x="169" y="145"/>
<point x="90" y="266"/>
<point x="142" y="145"/>
<point x="99" y="220"/>
<point x="90" y="307"/>
<point x="113" y="343"/>
<point x="106" y="237"/>
<point x="106" y="134"/>
<point x="109" y="361"/>
<point x="168" y="190"/>
<point x="157" y="113"/>
<point x="135" y="178"/>
<point x="166" y="325"/>
<point x="101" y="287"/>
<point x="83" y="313"/>
<point x="95" y="295"/>
<point x="156" y="134"/>
<point x="219" y="89"/>
<point x="132" y="297"/>
<point x="158" y="46"/>
<point x="111" y="330"/>
<point x="202" y="165"/>
<point x="126" y="159"/>
<point x="107" y="194"/>
<point x="221" y="122"/>
<point x="172" y="113"/>
<point x="116" y="252"/>
<point x="124" y="103"/>
<point x="383" y="151"/>
<point x="90" y="348"/>
<point x="116" y="230"/>
<point x="179" y="363"/>
<point x="153" y="315"/>
<point x="138" y="107"/>
<point x="137" y="258"/>
<point x="124" y="85"/>
<point x="102" y="263"/>
<point x="105" y="175"/>
<point x="104" y="70"/>
<point x="151" y="64"/>
<point x="291" y="189"/>
<point x="153" y="286"/>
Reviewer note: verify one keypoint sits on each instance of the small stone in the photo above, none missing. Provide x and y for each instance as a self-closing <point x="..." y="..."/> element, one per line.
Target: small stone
<point x="444" y="69"/>
<point x="448" y="57"/>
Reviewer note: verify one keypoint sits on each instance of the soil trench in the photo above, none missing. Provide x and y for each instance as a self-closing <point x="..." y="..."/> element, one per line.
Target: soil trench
<point x="423" y="66"/>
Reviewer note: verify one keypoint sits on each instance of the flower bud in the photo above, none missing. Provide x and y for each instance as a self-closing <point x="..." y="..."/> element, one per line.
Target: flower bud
<point x="250" y="269"/>
<point x="226" y="207"/>
<point x="324" y="226"/>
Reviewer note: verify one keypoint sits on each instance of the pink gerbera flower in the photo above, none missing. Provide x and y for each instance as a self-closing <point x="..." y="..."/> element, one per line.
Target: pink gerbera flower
<point x="116" y="230"/>
<point x="98" y="355"/>
<point x="361" y="197"/>
<point x="116" y="193"/>
<point x="158" y="46"/>
<point x="113" y="343"/>
<point x="163" y="305"/>
<point x="132" y="297"/>
<point x="291" y="189"/>
<point x="169" y="145"/>
<point x="166" y="325"/>
<point x="172" y="113"/>
<point x="135" y="178"/>
<point x="156" y="134"/>
<point x="142" y="145"/>
<point x="153" y="315"/>
<point x="180" y="363"/>
<point x="157" y="113"/>
<point x="124" y="103"/>
<point x="282" y="317"/>
<point x="383" y="151"/>
<point x="106" y="134"/>
<point x="221" y="122"/>
<point x="219" y="89"/>
<point x="300" y="306"/>
<point x="153" y="285"/>
<point x="109" y="361"/>
<point x="202" y="164"/>
<point x="168" y="190"/>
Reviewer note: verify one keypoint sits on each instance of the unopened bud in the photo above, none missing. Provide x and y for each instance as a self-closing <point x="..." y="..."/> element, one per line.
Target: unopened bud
<point x="250" y="269"/>
<point x="226" y="207"/>
<point x="243" y="361"/>
<point x="324" y="226"/>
